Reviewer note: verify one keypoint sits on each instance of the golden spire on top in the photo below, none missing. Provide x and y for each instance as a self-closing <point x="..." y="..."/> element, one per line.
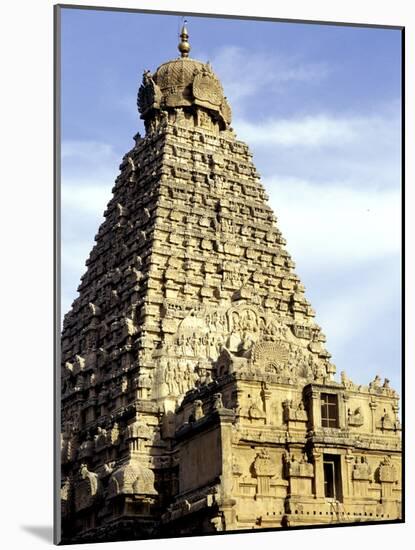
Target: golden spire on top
<point x="184" y="46"/>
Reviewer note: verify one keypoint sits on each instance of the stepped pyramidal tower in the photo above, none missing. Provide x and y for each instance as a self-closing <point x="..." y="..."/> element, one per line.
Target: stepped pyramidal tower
<point x="197" y="392"/>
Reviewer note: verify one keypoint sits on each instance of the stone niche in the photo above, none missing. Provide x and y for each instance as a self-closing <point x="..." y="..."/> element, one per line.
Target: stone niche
<point x="196" y="469"/>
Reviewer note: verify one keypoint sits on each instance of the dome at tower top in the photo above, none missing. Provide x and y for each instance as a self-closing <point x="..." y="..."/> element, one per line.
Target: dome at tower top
<point x="180" y="83"/>
<point x="177" y="72"/>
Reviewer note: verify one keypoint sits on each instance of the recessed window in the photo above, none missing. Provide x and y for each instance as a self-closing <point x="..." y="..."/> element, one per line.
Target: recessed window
<point x="329" y="410"/>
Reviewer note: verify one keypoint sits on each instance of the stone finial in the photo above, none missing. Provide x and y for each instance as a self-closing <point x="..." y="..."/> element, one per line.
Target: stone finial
<point x="184" y="46"/>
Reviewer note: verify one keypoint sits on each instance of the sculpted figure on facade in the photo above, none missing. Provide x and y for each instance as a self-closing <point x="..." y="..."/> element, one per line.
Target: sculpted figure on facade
<point x="86" y="448"/>
<point x="375" y="384"/>
<point x="86" y="488"/>
<point x="254" y="411"/>
<point x="346" y="381"/>
<point x="361" y="469"/>
<point x="217" y="401"/>
<point x="100" y="439"/>
<point x="131" y="478"/>
<point x="294" y="412"/>
<point x="355" y="417"/>
<point x="387" y="471"/>
<point x="298" y="467"/>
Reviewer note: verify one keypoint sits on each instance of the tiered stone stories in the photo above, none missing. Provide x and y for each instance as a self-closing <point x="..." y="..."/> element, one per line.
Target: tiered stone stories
<point x="197" y="392"/>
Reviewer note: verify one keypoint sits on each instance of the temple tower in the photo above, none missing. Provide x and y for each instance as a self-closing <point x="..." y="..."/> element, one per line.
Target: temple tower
<point x="197" y="392"/>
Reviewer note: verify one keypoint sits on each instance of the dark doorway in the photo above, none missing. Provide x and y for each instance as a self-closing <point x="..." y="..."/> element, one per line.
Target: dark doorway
<point x="332" y="477"/>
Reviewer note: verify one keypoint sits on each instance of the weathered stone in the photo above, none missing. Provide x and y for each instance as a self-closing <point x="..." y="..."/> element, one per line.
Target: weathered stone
<point x="197" y="393"/>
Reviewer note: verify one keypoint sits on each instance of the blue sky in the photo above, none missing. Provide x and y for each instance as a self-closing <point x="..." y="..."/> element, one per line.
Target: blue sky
<point x="319" y="107"/>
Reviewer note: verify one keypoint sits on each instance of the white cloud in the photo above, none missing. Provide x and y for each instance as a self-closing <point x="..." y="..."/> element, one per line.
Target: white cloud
<point x="260" y="72"/>
<point x="356" y="318"/>
<point x="85" y="196"/>
<point x="74" y="252"/>
<point x="87" y="161"/>
<point x="333" y="181"/>
<point x="345" y="241"/>
<point x="347" y="222"/>
<point x="82" y="208"/>
<point x="85" y="149"/>
<point x="356" y="150"/>
<point x="309" y="131"/>
<point x="335" y="223"/>
<point x="324" y="130"/>
<point x="89" y="169"/>
<point x="362" y="300"/>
